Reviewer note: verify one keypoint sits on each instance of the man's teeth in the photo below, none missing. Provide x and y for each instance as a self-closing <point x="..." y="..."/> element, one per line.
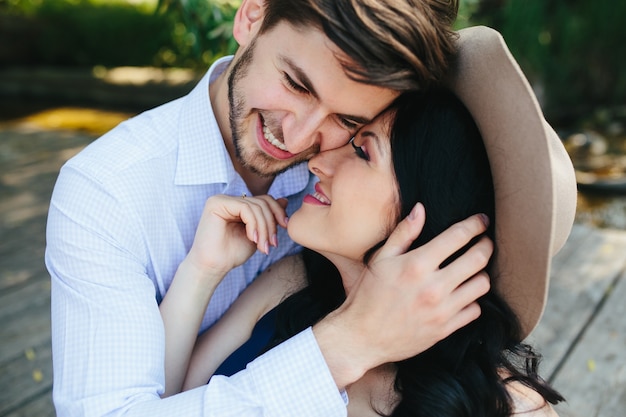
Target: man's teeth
<point x="321" y="198"/>
<point x="269" y="136"/>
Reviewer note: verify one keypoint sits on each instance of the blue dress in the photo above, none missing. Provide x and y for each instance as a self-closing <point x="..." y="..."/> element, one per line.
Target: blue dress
<point x="261" y="335"/>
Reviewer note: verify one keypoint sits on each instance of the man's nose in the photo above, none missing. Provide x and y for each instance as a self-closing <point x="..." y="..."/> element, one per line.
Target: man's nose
<point x="313" y="129"/>
<point x="326" y="162"/>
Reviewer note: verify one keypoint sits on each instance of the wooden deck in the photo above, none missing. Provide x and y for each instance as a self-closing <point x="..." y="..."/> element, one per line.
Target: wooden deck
<point x="582" y="335"/>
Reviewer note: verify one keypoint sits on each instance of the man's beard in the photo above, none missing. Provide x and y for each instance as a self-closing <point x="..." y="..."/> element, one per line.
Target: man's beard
<point x="254" y="160"/>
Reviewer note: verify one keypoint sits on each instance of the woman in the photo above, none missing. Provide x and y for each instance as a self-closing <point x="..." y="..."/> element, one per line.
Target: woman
<point x="425" y="149"/>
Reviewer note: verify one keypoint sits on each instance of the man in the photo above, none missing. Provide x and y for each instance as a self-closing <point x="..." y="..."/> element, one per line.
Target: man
<point x="124" y="213"/>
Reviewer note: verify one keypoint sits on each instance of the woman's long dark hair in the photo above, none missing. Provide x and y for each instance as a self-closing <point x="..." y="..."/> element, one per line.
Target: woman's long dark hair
<point x="440" y="160"/>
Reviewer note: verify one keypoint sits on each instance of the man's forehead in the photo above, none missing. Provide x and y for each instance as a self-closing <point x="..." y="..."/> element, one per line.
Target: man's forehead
<point x="320" y="66"/>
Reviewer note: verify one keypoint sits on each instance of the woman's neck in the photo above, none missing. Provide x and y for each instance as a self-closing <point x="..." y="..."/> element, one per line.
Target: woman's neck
<point x="349" y="269"/>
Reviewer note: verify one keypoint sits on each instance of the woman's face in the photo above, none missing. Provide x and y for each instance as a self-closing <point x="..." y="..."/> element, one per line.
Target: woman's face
<point x="356" y="202"/>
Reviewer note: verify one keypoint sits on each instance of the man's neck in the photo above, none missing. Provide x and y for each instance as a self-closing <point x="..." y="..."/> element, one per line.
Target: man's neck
<point x="256" y="184"/>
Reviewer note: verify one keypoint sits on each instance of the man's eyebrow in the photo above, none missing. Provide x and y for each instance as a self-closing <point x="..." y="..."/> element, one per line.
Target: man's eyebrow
<point x="301" y="77"/>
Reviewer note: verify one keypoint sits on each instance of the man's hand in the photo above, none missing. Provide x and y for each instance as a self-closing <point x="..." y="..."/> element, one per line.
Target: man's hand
<point x="404" y="303"/>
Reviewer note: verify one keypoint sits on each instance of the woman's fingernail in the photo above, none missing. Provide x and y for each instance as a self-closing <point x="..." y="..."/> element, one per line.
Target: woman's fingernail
<point x="484" y="218"/>
<point x="266" y="246"/>
<point x="255" y="237"/>
<point x="274" y="239"/>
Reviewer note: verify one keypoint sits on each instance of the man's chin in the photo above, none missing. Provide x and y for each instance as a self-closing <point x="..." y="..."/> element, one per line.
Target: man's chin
<point x="270" y="168"/>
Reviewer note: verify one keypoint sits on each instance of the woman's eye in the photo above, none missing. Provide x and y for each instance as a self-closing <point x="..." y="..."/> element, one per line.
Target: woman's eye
<point x="292" y="84"/>
<point x="360" y="152"/>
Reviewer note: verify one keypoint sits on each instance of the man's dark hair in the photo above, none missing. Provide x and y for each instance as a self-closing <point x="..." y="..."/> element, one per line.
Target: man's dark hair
<point x="399" y="44"/>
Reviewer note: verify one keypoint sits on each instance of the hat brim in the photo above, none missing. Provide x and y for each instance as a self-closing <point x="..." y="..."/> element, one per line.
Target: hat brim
<point x="534" y="181"/>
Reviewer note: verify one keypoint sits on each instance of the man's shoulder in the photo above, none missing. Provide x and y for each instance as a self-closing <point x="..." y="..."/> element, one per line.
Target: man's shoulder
<point x="131" y="145"/>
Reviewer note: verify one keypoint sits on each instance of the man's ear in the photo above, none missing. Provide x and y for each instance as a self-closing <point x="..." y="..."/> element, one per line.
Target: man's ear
<point x="248" y="20"/>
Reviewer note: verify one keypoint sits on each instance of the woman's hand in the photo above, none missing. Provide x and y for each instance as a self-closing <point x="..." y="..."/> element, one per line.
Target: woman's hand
<point x="232" y="228"/>
<point x="229" y="231"/>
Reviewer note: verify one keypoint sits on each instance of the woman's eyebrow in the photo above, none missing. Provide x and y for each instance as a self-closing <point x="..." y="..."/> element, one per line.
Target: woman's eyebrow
<point x="376" y="139"/>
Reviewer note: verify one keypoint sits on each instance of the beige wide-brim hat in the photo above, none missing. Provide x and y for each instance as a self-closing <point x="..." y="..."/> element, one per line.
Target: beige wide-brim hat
<point x="535" y="186"/>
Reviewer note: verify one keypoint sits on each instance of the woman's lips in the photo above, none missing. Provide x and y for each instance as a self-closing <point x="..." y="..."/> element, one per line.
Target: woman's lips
<point x="317" y="198"/>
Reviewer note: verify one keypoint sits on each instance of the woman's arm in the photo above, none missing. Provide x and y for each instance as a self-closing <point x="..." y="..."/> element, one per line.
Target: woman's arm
<point x="230" y="230"/>
<point x="235" y="327"/>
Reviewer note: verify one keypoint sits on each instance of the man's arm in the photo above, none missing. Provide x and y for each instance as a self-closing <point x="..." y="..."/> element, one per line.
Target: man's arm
<point x="108" y="338"/>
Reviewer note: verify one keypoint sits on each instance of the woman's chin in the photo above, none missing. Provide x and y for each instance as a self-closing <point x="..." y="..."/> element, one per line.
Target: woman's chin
<point x="294" y="228"/>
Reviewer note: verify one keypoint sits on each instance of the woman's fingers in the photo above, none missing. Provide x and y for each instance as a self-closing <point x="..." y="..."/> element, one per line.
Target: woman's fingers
<point x="273" y="213"/>
<point x="260" y="215"/>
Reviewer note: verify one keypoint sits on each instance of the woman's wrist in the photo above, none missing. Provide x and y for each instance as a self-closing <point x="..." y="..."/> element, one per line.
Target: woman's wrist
<point x="200" y="280"/>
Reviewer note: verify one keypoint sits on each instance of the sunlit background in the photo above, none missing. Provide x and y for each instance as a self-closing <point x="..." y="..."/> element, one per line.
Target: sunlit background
<point x="70" y="70"/>
<point x="51" y="51"/>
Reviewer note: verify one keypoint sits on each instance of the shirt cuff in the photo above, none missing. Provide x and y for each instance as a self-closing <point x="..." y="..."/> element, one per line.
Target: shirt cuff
<point x="293" y="379"/>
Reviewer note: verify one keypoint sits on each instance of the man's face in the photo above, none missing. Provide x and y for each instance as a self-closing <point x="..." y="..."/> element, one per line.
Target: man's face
<point x="290" y="98"/>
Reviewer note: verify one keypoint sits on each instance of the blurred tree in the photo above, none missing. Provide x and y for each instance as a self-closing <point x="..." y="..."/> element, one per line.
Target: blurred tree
<point x="204" y="29"/>
<point x="574" y="51"/>
<point x="164" y="33"/>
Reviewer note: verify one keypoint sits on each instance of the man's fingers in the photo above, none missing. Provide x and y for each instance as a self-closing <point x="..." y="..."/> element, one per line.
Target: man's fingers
<point x="464" y="317"/>
<point x="457" y="236"/>
<point x="464" y="301"/>
<point x="404" y="234"/>
<point x="474" y="260"/>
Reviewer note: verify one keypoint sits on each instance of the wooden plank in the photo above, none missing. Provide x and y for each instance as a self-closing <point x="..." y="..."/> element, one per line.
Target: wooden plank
<point x="593" y="379"/>
<point x="25" y="378"/>
<point x="578" y="283"/>
<point x="25" y="314"/>
<point x="41" y="406"/>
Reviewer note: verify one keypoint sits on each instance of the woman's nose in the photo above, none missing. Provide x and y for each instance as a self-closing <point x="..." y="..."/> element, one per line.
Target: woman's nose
<point x="319" y="165"/>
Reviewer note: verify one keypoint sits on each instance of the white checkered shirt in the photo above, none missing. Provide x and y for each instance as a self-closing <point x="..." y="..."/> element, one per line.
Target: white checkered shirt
<point x="122" y="217"/>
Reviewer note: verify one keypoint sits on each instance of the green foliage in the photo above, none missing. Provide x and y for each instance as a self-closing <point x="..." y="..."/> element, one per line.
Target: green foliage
<point x="203" y="31"/>
<point x="190" y="33"/>
<point x="572" y="50"/>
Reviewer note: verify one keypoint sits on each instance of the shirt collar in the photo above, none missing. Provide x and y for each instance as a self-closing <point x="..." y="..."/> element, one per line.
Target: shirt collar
<point x="202" y="155"/>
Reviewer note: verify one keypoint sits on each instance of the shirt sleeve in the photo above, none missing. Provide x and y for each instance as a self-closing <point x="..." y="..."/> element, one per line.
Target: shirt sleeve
<point x="108" y="337"/>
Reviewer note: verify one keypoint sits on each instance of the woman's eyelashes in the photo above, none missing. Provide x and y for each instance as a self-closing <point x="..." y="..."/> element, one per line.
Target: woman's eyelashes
<point x="359" y="150"/>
